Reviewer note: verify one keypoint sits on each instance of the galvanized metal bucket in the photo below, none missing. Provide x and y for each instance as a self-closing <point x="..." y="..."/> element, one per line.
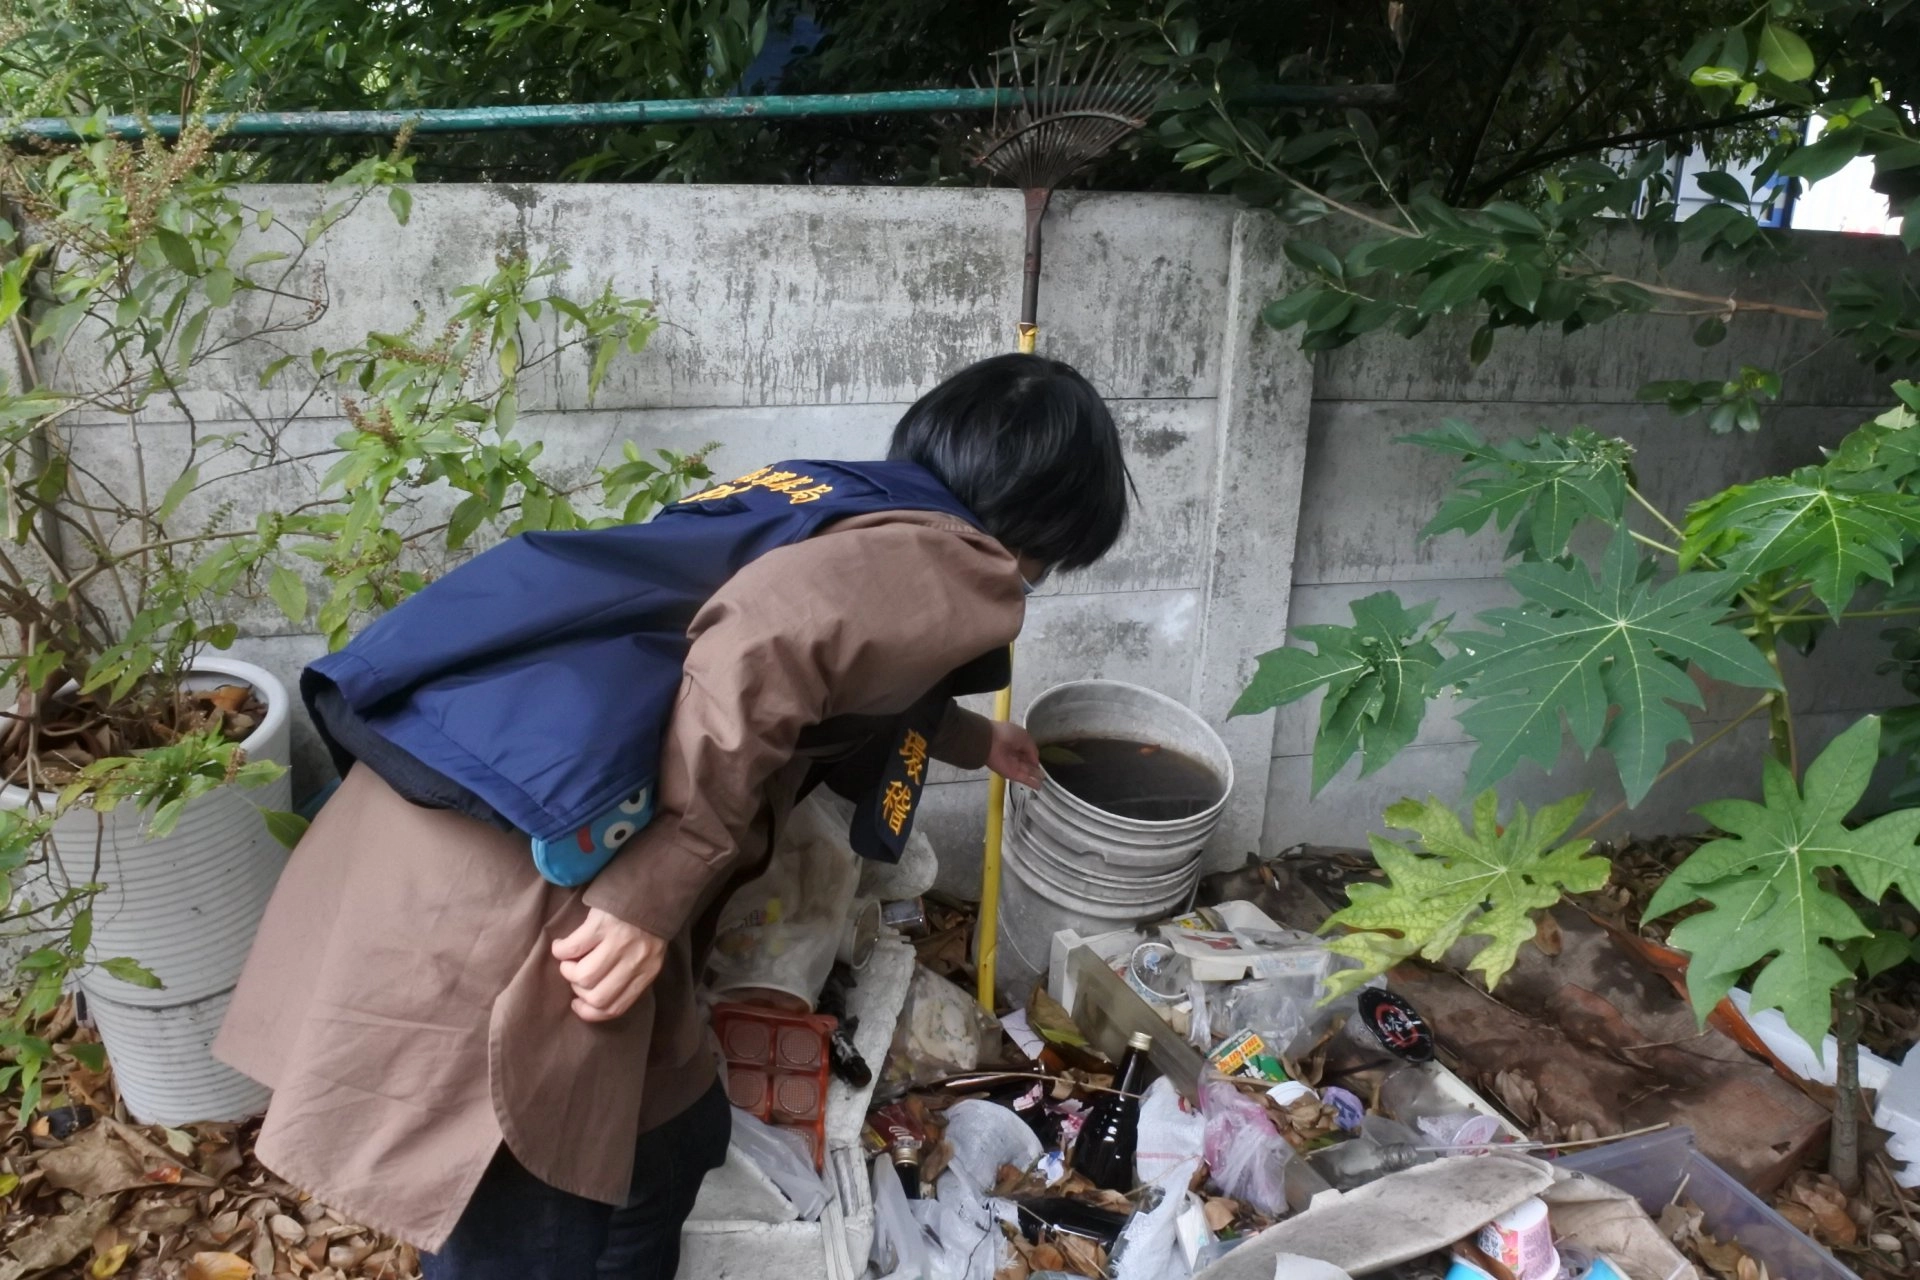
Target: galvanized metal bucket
<point x="1073" y="865"/>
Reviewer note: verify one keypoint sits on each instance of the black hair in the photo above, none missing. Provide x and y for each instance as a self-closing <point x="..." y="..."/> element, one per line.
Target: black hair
<point x="1030" y="448"/>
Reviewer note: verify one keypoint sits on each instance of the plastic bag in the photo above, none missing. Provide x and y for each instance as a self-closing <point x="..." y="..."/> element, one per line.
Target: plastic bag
<point x="786" y="1160"/>
<point x="1246" y="1155"/>
<point x="1281" y="1010"/>
<point x="1172" y="1136"/>
<point x="781" y="930"/>
<point x="900" y="1244"/>
<point x="985" y="1135"/>
<point x="1149" y="1245"/>
<point x="942" y="1031"/>
<point x="963" y="1218"/>
<point x="964" y="1239"/>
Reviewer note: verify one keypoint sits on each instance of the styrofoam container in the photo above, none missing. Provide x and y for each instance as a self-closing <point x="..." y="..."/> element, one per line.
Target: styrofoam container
<point x="1658" y="1167"/>
<point x="743" y="1226"/>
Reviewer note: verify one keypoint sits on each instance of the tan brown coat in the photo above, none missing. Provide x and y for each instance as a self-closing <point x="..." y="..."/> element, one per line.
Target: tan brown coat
<point x="401" y="999"/>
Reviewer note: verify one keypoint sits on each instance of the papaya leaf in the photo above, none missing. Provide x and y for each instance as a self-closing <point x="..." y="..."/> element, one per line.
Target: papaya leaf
<point x="1836" y="537"/>
<point x="1881" y="455"/>
<point x="1541" y="487"/>
<point x="1378" y="675"/>
<point x="1482" y="883"/>
<point x="1577" y="646"/>
<point x="1762" y="881"/>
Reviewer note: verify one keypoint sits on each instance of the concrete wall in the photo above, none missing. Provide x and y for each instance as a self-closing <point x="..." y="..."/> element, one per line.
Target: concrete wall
<point x="1366" y="499"/>
<point x="802" y="321"/>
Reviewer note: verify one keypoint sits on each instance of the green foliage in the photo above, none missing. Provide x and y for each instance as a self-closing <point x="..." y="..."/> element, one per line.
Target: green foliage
<point x="135" y="56"/>
<point x="1577" y="646"/>
<point x="1834" y="537"/>
<point x="1765" y="883"/>
<point x="1377" y="675"/>
<point x="132" y="271"/>
<point x="1459" y="883"/>
<point x="1553" y="481"/>
<point x="1733" y="403"/>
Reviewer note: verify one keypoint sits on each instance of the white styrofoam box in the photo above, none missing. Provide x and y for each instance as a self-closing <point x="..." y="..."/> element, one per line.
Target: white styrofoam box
<point x="743" y="1226"/>
<point x="1898" y="1112"/>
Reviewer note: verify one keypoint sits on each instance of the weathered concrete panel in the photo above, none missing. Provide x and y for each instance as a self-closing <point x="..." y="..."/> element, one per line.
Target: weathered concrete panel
<point x="1368" y="497"/>
<point x="1264" y="405"/>
<point x="1611" y="361"/>
<point x="1133" y="292"/>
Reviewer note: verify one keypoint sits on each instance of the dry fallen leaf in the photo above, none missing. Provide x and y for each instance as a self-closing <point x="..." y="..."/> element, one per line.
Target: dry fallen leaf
<point x="95" y="1163"/>
<point x="1219" y="1212"/>
<point x="54" y="1242"/>
<point x="1546" y="935"/>
<point x="219" y="1266"/>
<point x="286" y="1229"/>
<point x="1047" y="1257"/>
<point x="1083" y="1256"/>
<point x="109" y="1262"/>
<point x="262" y="1252"/>
<point x="934" y="1162"/>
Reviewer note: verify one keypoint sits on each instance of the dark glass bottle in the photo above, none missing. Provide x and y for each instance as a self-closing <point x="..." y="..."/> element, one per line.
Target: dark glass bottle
<point x="906" y="1163"/>
<point x="1103" y="1153"/>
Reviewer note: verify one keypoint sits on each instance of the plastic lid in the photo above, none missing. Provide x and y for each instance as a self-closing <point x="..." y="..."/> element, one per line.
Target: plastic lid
<point x="1396" y="1025"/>
<point x="1140" y="1040"/>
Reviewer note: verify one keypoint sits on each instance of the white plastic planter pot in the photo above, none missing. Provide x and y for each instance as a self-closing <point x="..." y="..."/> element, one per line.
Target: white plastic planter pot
<point x="186" y="907"/>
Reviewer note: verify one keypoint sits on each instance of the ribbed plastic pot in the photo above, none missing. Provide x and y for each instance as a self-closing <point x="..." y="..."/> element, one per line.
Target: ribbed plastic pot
<point x="1072" y="865"/>
<point x="185" y="906"/>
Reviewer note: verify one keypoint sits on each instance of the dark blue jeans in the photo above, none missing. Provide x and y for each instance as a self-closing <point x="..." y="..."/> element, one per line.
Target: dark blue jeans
<point x="517" y="1227"/>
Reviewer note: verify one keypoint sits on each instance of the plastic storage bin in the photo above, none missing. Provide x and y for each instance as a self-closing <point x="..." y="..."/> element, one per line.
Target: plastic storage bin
<point x="1652" y="1169"/>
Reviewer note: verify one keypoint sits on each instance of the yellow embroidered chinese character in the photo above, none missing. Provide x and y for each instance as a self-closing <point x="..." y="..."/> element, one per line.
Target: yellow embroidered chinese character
<point x="896" y="803"/>
<point x="914" y="752"/>
<point x="778" y="481"/>
<point x="814" y="494"/>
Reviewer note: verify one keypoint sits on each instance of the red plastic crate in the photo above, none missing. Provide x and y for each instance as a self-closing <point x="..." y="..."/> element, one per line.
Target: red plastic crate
<point x="777" y="1067"/>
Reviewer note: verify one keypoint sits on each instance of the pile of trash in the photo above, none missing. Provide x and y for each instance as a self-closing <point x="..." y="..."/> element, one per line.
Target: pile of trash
<point x="1186" y="1099"/>
<point x="1171" y="1096"/>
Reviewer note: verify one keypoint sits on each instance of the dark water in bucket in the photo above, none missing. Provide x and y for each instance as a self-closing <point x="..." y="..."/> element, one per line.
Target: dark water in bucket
<point x="1132" y="779"/>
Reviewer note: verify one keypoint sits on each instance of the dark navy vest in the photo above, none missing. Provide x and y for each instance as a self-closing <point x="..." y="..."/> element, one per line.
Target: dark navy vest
<point x="532" y="685"/>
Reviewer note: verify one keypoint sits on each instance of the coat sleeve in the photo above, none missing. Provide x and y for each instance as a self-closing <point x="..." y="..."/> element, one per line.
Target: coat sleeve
<point x="963" y="738"/>
<point x="857" y="620"/>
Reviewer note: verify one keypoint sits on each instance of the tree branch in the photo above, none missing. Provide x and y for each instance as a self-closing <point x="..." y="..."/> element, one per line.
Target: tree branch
<point x="1470" y="155"/>
<point x="1528" y="164"/>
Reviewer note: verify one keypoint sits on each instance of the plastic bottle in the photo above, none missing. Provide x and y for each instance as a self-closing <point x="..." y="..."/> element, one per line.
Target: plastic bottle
<point x="1382" y="1147"/>
<point x="1103" y="1153"/>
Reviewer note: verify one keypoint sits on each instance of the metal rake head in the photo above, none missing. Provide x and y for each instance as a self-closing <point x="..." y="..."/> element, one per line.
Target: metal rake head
<point x="1070" y="108"/>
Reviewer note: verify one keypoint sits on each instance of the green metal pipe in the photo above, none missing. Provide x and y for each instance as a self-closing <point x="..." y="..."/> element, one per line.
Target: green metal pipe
<point x="287" y="124"/>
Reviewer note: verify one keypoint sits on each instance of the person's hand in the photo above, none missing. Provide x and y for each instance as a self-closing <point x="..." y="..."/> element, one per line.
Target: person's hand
<point x="1014" y="756"/>
<point x="609" y="963"/>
